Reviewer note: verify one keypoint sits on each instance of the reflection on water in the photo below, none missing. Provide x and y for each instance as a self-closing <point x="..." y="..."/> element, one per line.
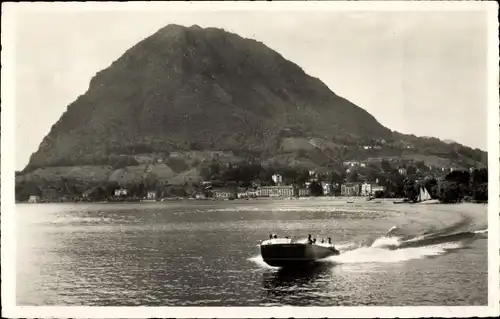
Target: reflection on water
<point x="287" y="277"/>
<point x="192" y="254"/>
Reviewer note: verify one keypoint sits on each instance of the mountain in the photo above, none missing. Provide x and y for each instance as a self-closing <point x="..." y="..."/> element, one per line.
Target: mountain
<point x="189" y="89"/>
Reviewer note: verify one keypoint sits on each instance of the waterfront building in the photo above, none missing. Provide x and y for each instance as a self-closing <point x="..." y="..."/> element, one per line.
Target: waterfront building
<point x="303" y="192"/>
<point x="151" y="195"/>
<point x="200" y="196"/>
<point x="121" y="192"/>
<point x="275" y="191"/>
<point x="350" y="189"/>
<point x="327" y="188"/>
<point x="34" y="199"/>
<point x="368" y="189"/>
<point x="224" y="193"/>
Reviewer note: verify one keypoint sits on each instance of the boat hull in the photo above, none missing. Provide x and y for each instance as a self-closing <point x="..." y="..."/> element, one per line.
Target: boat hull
<point x="294" y="254"/>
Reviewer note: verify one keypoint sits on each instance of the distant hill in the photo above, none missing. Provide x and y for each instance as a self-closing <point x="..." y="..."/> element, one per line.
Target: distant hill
<point x="198" y="91"/>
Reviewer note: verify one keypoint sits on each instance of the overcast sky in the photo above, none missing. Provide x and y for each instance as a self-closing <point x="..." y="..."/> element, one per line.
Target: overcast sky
<point x="416" y="72"/>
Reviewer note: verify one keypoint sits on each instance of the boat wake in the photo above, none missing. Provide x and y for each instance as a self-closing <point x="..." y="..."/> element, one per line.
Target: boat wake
<point x="394" y="247"/>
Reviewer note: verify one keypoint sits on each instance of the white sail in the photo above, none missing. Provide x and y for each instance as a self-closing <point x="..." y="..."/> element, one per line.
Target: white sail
<point x="427" y="195"/>
<point x="421" y="195"/>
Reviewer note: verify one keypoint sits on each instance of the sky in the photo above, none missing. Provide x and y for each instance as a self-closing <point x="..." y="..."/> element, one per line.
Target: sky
<point x="418" y="72"/>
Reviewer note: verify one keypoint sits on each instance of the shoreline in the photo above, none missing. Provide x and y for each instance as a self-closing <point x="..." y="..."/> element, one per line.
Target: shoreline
<point x="336" y="199"/>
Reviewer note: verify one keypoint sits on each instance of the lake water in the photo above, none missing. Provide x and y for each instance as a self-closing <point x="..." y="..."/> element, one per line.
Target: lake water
<point x="204" y="253"/>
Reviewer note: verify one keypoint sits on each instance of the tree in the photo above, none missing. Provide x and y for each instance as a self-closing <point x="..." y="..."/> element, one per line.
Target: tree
<point x="421" y="166"/>
<point x="301" y="153"/>
<point x="411" y="170"/>
<point x="449" y="192"/>
<point x="25" y="190"/>
<point x="411" y="189"/>
<point x="481" y="193"/>
<point x="379" y="194"/>
<point x="150" y="181"/>
<point x="315" y="189"/>
<point x="479" y="184"/>
<point x="110" y="187"/>
<point x="353" y="177"/>
<point x="479" y="177"/>
<point x="214" y="170"/>
<point x="385" y="165"/>
<point x="462" y="181"/>
<point x="432" y="187"/>
<point x="372" y="175"/>
<point x="336" y="178"/>
<point x="205" y="173"/>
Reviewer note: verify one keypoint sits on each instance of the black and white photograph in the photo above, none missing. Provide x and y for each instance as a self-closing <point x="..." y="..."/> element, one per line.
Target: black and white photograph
<point x="296" y="159"/>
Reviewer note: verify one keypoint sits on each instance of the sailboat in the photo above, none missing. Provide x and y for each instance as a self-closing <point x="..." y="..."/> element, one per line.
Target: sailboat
<point x="423" y="195"/>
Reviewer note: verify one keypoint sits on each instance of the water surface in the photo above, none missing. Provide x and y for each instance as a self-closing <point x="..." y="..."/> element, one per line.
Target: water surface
<point x="203" y="253"/>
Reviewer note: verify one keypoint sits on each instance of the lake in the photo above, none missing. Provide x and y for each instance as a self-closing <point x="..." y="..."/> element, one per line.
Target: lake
<point x="205" y="253"/>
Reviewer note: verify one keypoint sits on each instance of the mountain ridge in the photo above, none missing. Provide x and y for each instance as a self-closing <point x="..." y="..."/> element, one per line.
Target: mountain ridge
<point x="205" y="89"/>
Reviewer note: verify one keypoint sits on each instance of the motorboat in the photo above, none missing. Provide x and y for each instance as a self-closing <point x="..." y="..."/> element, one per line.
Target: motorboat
<point x="284" y="252"/>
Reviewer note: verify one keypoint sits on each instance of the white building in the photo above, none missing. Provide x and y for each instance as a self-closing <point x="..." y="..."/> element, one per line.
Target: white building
<point x="275" y="191"/>
<point x="121" y="192"/>
<point x="34" y="199"/>
<point x="327" y="188"/>
<point x="200" y="196"/>
<point x="151" y="195"/>
<point x="277" y="179"/>
<point x="351" y="163"/>
<point x="304" y="192"/>
<point x="368" y="189"/>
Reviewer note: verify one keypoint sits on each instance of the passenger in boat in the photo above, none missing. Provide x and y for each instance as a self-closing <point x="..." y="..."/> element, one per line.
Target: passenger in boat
<point x="309" y="239"/>
<point x="275" y="236"/>
<point x="322" y="241"/>
<point x="314" y="241"/>
<point x="330" y="240"/>
<point x="270" y="236"/>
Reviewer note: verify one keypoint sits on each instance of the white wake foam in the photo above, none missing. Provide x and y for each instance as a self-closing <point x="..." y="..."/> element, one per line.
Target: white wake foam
<point x="480" y="231"/>
<point x="377" y="254"/>
<point x="260" y="262"/>
<point x="383" y="242"/>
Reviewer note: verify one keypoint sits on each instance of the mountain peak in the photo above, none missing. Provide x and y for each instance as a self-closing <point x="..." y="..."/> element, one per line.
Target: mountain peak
<point x="193" y="88"/>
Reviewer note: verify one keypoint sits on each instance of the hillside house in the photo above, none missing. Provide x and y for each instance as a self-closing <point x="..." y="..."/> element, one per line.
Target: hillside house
<point x="351" y="163"/>
<point x="89" y="194"/>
